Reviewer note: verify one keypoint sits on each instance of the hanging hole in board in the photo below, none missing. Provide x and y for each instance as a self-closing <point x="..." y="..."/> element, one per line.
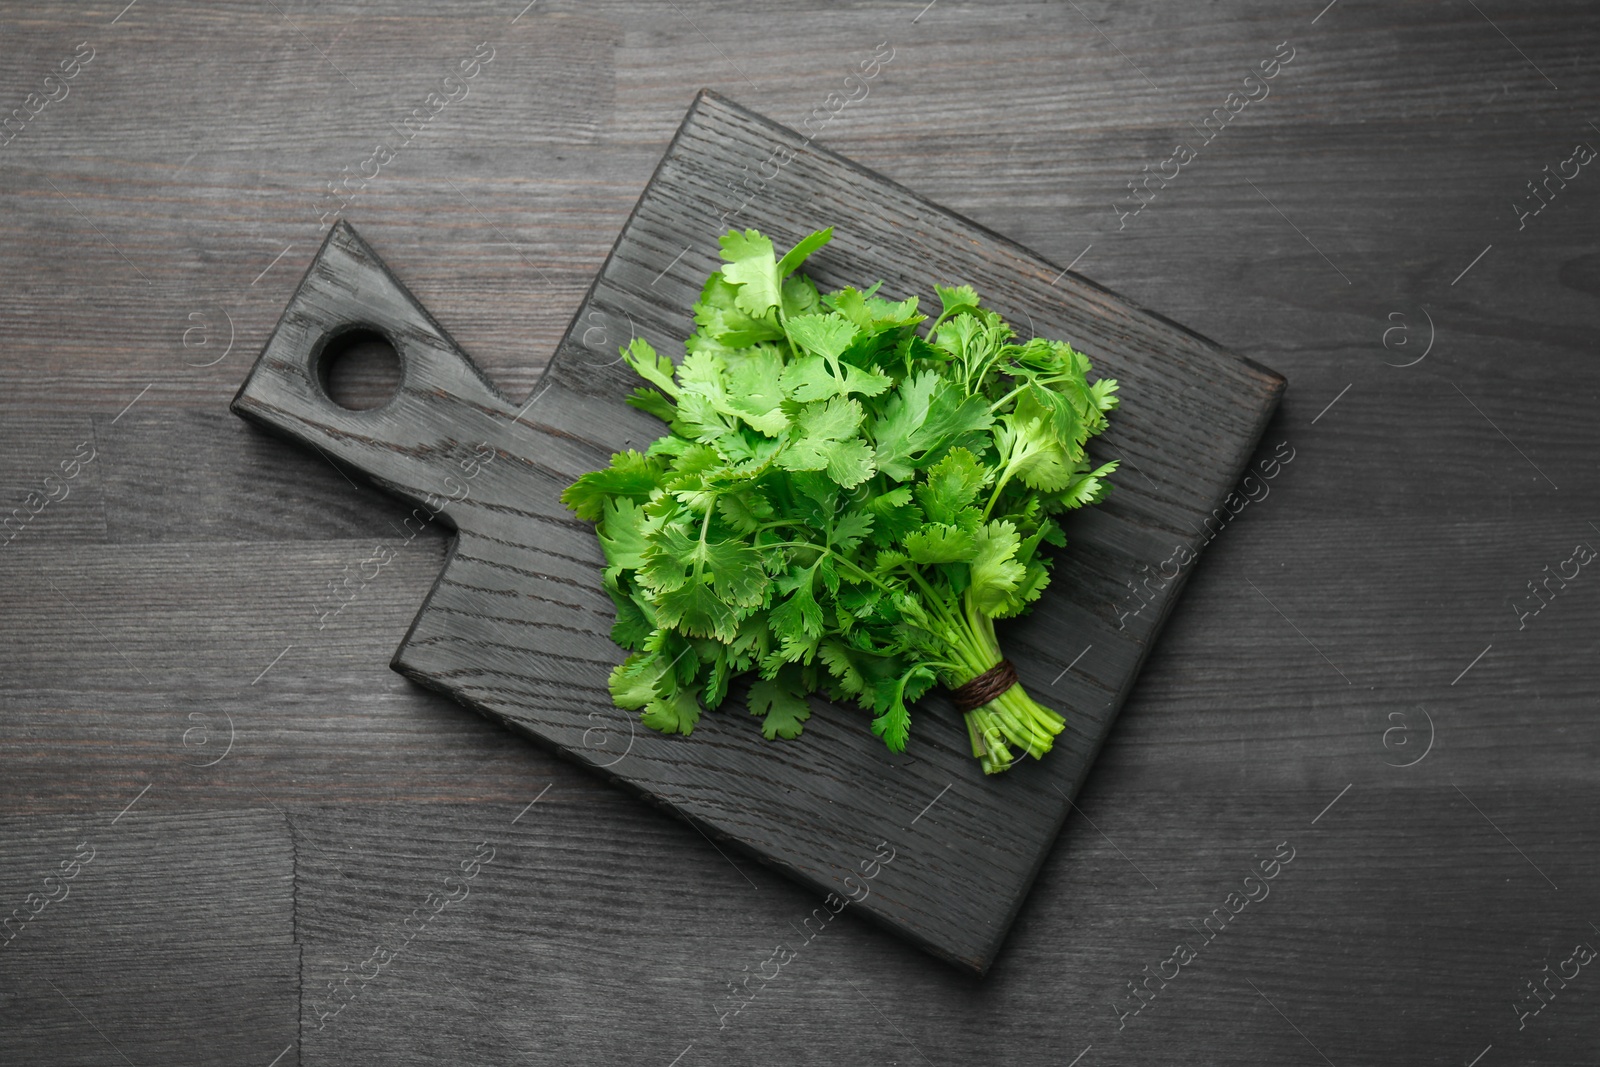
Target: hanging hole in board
<point x="359" y="369"/>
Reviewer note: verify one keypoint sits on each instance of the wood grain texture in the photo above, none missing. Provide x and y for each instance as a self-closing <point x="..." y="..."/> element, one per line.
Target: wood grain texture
<point x="518" y="625"/>
<point x="1396" y="142"/>
<point x="137" y="938"/>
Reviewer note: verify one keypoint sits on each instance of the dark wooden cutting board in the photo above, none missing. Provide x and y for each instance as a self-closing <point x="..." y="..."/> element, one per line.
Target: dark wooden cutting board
<point x="517" y="625"/>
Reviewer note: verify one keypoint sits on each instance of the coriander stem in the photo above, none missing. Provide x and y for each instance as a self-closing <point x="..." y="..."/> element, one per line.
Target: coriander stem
<point x="951" y="619"/>
<point x="826" y="551"/>
<point x="998" y="404"/>
<point x="1040" y="380"/>
<point x="1005" y="476"/>
<point x="705" y="528"/>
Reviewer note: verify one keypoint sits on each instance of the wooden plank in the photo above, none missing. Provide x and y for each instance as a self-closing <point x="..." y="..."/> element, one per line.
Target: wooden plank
<point x="51" y="484"/>
<point x="231" y="486"/>
<point x="217" y="1002"/>
<point x="520" y="966"/>
<point x="241" y="861"/>
<point x="517" y="626"/>
<point x="133" y="936"/>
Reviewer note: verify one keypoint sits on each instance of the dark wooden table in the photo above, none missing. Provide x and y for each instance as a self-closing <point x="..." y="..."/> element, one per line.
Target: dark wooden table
<point x="245" y="838"/>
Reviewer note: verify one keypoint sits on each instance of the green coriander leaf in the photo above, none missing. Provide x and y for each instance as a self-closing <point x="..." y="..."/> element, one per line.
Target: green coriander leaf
<point x="1088" y="488"/>
<point x="922" y="417"/>
<point x="632" y="626"/>
<point x="799" y="616"/>
<point x="650" y="400"/>
<point x="826" y="335"/>
<point x="718" y="674"/>
<point x="825" y="440"/>
<point x="810" y="378"/>
<point x="952" y="485"/>
<point x="673" y="715"/>
<point x="910" y="610"/>
<point x="1042" y="355"/>
<point x="782" y="702"/>
<point x="799" y="296"/>
<point x="691" y="464"/>
<point x="873" y="315"/>
<point x="702" y="373"/>
<point x="745" y="512"/>
<point x="848" y="462"/>
<point x="833" y="421"/>
<point x="962" y="336"/>
<point x="798" y="254"/>
<point x="723" y="322"/>
<point x="633" y="681"/>
<point x="956" y="298"/>
<point x="886" y="562"/>
<point x="630" y="475"/>
<point x="1058" y="411"/>
<point x="798" y="648"/>
<point x="702" y="417"/>
<point x="754" y="391"/>
<point x="747" y="454"/>
<point x="837" y="658"/>
<point x="1035" y="577"/>
<point x="654" y="368"/>
<point x="816" y="498"/>
<point x="938" y="543"/>
<point x="1034" y="452"/>
<point x="849" y="530"/>
<point x="1103" y="391"/>
<point x="669" y="445"/>
<point x="894" y="516"/>
<point x="696" y="608"/>
<point x="996" y="574"/>
<point x="624" y="533"/>
<point x="893" y="723"/>
<point x="753" y="269"/>
<point x="730" y="570"/>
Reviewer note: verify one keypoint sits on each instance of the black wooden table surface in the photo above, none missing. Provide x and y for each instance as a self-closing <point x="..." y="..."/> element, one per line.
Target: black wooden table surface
<point x="230" y="834"/>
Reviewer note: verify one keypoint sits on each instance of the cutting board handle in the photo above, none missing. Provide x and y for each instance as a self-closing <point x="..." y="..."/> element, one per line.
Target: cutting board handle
<point x="437" y="423"/>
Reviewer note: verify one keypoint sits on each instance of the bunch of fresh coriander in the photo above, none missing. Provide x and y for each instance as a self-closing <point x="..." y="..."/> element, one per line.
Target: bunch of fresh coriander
<point x="843" y="504"/>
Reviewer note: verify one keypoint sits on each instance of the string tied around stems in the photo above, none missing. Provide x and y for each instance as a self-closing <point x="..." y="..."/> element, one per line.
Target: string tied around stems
<point x="985" y="687"/>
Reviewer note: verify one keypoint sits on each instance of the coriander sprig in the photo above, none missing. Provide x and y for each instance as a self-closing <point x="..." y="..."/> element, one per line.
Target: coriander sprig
<point x="847" y="498"/>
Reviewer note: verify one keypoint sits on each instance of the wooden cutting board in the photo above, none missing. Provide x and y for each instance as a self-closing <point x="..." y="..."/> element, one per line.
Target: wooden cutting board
<point x="517" y="625"/>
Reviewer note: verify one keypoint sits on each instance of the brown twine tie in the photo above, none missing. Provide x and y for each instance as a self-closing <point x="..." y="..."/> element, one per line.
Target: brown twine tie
<point x="986" y="686"/>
